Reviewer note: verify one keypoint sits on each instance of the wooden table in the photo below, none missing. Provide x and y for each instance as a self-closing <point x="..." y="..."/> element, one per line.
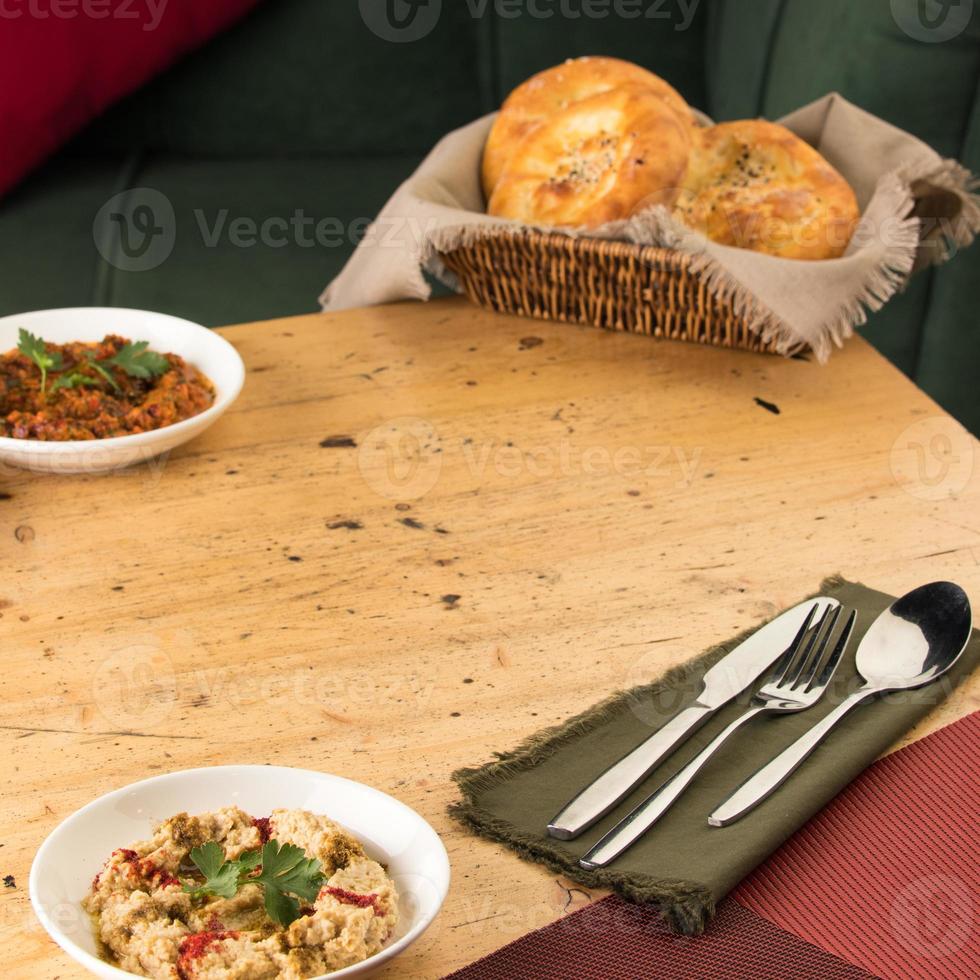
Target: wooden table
<point x="533" y="515"/>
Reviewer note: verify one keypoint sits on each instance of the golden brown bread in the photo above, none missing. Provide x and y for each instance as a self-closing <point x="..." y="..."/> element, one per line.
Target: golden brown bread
<point x="550" y="91"/>
<point x="756" y="185"/>
<point x="598" y="160"/>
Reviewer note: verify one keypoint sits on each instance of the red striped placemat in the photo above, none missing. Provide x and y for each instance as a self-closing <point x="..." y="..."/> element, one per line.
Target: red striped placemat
<point x="614" y="940"/>
<point x="883" y="882"/>
<point x="887" y="876"/>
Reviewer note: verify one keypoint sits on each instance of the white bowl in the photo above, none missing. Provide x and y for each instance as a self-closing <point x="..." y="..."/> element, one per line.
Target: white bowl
<point x="206" y="350"/>
<point x="393" y="834"/>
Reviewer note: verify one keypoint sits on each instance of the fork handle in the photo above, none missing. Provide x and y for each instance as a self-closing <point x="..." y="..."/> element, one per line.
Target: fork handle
<point x="640" y="820"/>
<point x="600" y="796"/>
<point x="771" y="776"/>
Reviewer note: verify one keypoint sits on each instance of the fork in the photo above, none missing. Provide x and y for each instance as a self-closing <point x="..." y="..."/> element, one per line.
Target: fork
<point x="797" y="681"/>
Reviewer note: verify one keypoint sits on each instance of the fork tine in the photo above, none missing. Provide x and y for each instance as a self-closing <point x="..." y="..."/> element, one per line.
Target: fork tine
<point x="792" y="671"/>
<point x="809" y="670"/>
<point x="836" y="655"/>
<point x="785" y="660"/>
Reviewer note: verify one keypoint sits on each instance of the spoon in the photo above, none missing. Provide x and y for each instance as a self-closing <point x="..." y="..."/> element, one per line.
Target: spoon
<point x="914" y="641"/>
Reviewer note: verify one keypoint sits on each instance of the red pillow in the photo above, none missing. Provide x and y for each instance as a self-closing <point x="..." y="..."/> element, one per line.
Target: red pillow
<point x="62" y="62"/>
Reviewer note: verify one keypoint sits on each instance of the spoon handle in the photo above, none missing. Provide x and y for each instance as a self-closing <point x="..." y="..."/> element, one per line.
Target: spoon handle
<point x="772" y="775"/>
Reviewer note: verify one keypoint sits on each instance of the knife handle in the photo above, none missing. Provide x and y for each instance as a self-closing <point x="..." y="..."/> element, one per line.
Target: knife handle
<point x="600" y="796"/>
<point x="637" y="823"/>
<point x="771" y="776"/>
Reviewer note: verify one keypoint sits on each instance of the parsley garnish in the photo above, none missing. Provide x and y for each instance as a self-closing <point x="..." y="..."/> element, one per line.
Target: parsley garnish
<point x="221" y="877"/>
<point x="73" y="380"/>
<point x="285" y="874"/>
<point x="133" y="359"/>
<point x="98" y="368"/>
<point x="33" y="348"/>
<point x="138" y="362"/>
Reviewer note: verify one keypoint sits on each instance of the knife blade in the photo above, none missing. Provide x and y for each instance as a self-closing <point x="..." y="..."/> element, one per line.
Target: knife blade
<point x="728" y="678"/>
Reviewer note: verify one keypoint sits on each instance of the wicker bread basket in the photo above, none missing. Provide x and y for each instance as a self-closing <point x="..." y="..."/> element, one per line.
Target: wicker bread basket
<point x="615" y="285"/>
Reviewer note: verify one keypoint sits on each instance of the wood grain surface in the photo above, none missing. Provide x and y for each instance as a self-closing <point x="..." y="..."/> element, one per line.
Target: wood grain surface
<point x="425" y="531"/>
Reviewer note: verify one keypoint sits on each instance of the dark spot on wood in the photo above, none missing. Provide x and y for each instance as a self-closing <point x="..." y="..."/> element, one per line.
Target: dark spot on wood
<point x="633" y="493"/>
<point x="347" y="525"/>
<point x="230" y="472"/>
<point x="338" y="442"/>
<point x="440" y="530"/>
<point x="403" y="506"/>
<point x="443" y="562"/>
<point x="260" y="368"/>
<point x="528" y="342"/>
<point x="6" y="496"/>
<point x="768" y="406"/>
<point x="24" y="533"/>
<point x="453" y="714"/>
<point x="451" y="600"/>
<point x="118" y="588"/>
<point x="9" y="882"/>
<point x="471" y="384"/>
<point x="200" y="701"/>
<point x="295" y="558"/>
<point x="244" y="636"/>
<point x="467" y="680"/>
<point x="412" y="523"/>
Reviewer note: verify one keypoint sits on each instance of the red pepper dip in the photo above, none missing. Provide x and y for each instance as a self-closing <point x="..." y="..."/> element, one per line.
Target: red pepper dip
<point x="97" y="408"/>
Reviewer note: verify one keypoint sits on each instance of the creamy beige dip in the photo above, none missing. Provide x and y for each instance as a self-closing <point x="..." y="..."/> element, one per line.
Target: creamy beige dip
<point x="150" y="926"/>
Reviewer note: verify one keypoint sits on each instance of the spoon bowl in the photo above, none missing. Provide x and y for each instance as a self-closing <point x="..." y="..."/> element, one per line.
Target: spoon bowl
<point x="917" y="638"/>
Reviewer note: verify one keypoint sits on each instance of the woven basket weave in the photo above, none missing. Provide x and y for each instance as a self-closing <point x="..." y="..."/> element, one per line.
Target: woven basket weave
<point x="614" y="285"/>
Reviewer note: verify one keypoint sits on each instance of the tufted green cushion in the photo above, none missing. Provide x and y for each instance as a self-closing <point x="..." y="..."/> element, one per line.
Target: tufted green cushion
<point x="305" y="77"/>
<point x="216" y="273"/>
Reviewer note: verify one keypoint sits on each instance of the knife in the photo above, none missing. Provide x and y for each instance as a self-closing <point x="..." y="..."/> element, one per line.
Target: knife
<point x="724" y="681"/>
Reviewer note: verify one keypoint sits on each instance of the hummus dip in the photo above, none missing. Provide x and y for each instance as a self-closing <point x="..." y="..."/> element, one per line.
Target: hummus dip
<point x="149" y="925"/>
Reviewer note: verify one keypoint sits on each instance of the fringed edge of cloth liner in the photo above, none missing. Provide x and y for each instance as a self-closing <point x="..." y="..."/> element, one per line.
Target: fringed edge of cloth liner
<point x="686" y="906"/>
<point x="893" y="195"/>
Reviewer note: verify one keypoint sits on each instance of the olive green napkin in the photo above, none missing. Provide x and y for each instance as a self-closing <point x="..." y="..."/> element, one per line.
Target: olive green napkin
<point x="683" y="865"/>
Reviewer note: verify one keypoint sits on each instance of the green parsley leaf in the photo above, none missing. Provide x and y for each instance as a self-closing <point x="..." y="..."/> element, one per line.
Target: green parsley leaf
<point x="287" y="871"/>
<point x="221" y="877"/>
<point x="33" y="347"/>
<point x="72" y="380"/>
<point x="250" y="860"/>
<point x="100" y="369"/>
<point x="138" y="362"/>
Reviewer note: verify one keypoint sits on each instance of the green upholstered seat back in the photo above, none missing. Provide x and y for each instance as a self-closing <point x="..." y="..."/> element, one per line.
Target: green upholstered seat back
<point x="318" y="77"/>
